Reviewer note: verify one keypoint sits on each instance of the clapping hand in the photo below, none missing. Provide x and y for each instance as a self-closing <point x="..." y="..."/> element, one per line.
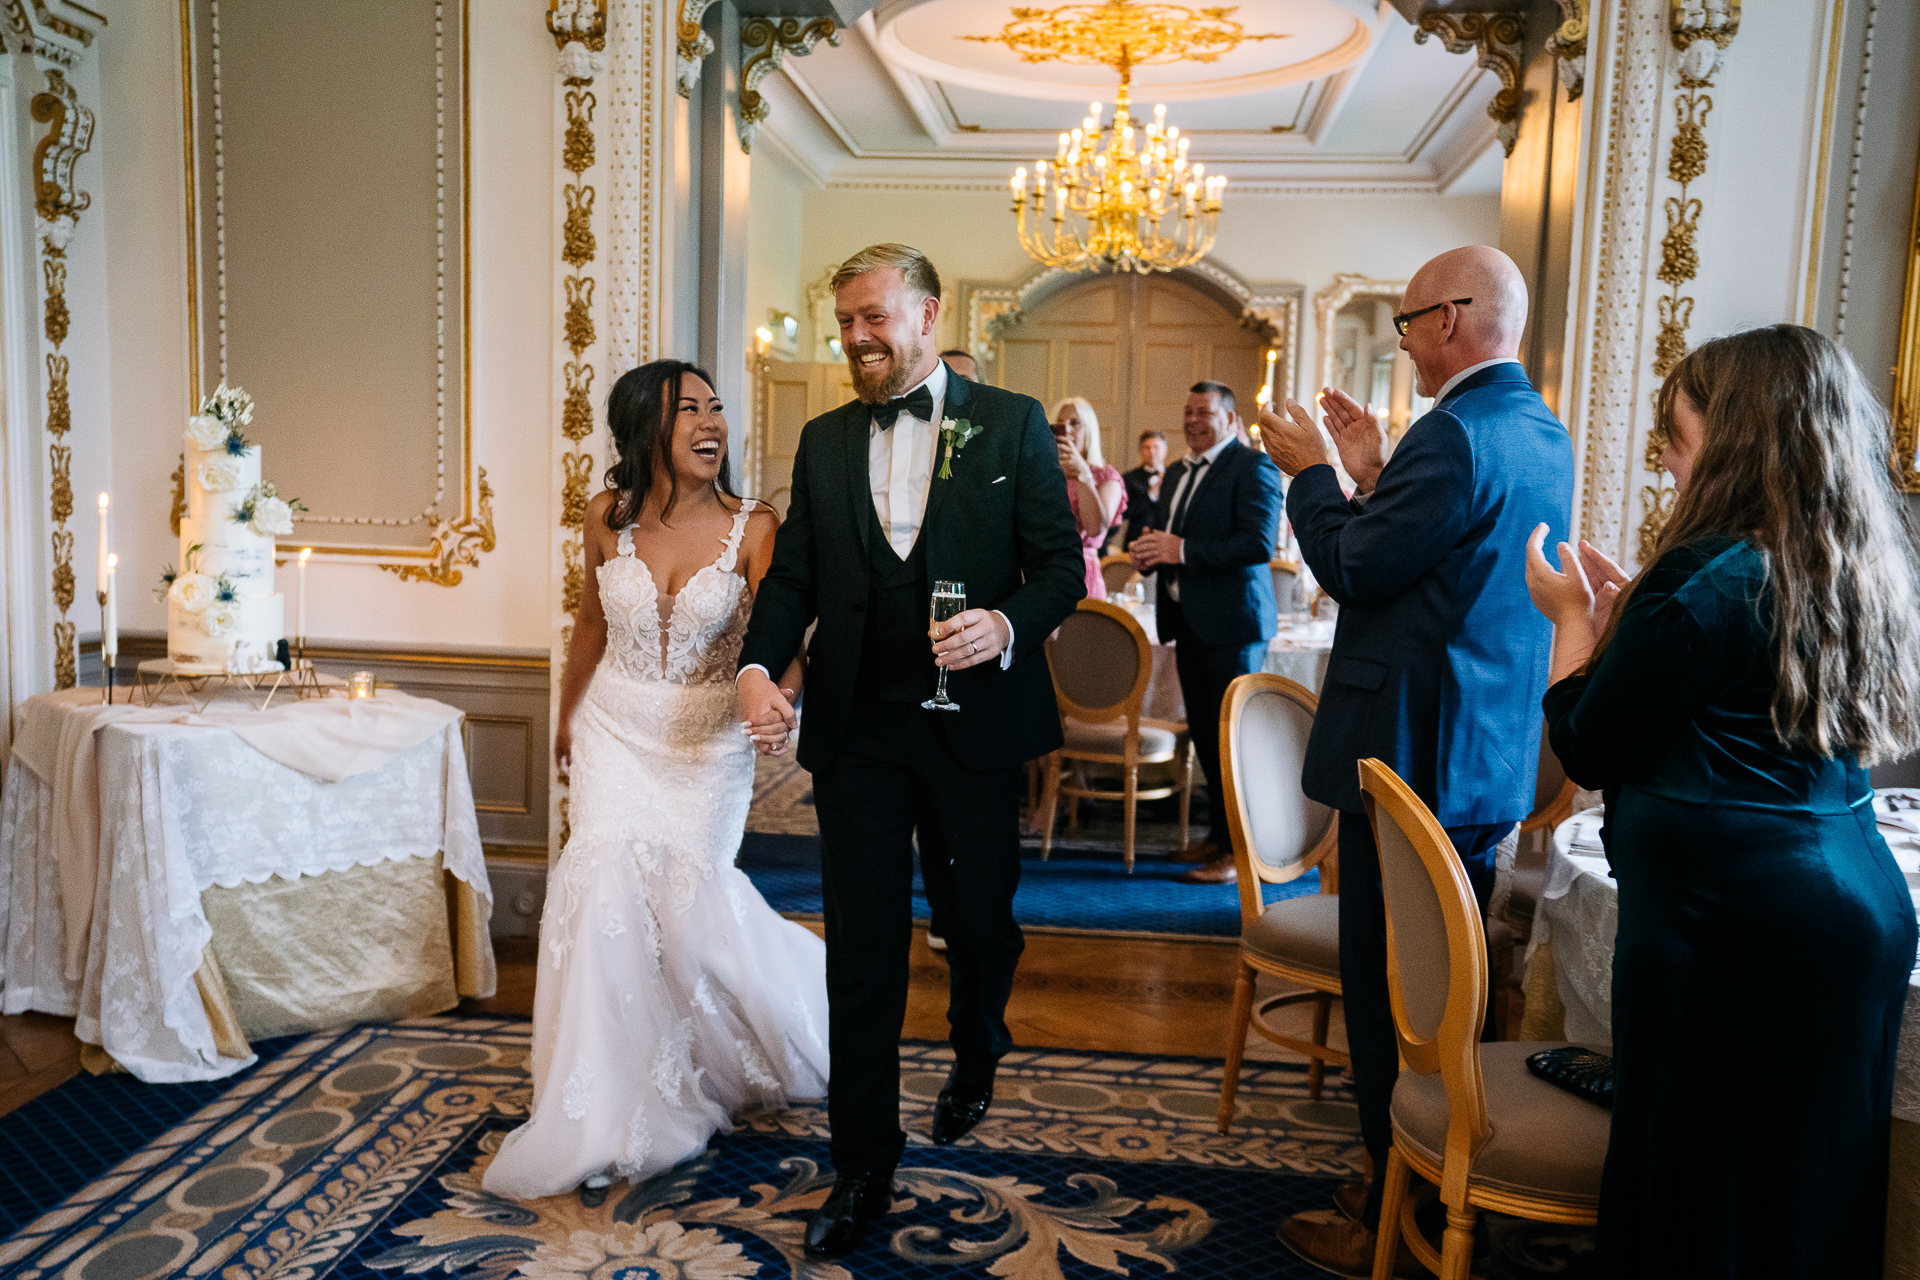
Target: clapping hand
<point x="1293" y="442"/>
<point x="1357" y="434"/>
<point x="1566" y="595"/>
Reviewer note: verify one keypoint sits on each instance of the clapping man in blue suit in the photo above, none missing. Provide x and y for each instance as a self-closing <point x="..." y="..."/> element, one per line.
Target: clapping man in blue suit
<point x="1436" y="667"/>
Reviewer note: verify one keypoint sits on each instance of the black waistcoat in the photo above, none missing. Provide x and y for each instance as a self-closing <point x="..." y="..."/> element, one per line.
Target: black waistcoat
<point x="896" y="657"/>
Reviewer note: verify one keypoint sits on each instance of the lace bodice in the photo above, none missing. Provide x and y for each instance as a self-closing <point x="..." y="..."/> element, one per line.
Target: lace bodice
<point x="699" y="640"/>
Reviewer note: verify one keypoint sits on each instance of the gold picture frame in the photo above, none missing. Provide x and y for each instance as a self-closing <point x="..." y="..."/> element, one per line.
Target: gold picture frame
<point x="1906" y="369"/>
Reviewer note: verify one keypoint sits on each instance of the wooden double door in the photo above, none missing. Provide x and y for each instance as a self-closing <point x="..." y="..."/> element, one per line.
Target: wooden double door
<point x="1132" y="346"/>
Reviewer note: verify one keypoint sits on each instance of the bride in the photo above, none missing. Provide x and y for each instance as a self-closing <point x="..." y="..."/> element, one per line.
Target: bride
<point x="670" y="995"/>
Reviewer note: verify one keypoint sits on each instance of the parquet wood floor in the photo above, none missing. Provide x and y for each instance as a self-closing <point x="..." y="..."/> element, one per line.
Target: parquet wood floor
<point x="1072" y="991"/>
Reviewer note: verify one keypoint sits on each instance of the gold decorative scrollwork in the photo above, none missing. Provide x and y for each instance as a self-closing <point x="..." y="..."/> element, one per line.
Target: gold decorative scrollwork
<point x="1496" y="37"/>
<point x="764" y="46"/>
<point x="63" y="570"/>
<point x="68" y="140"/>
<point x="573" y="498"/>
<point x="693" y="46"/>
<point x="64" y="674"/>
<point x="60" y="460"/>
<point x="576" y="150"/>
<point x="576" y="414"/>
<point x="454" y="544"/>
<point x="1906" y="372"/>
<point x="579" y="324"/>
<point x="581" y="20"/>
<point x="574" y="585"/>
<point x="577" y="230"/>
<point x="179" y="511"/>
<point x="58" y="319"/>
<point x="1568" y="43"/>
<point x="59" y="406"/>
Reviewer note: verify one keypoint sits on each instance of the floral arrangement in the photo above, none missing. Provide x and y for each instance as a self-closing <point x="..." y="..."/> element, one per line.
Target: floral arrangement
<point x="212" y="598"/>
<point x="218" y="423"/>
<point x="266" y="512"/>
<point x="218" y="475"/>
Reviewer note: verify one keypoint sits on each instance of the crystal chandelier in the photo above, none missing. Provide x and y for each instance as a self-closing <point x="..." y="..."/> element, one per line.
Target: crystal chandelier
<point x="1120" y="195"/>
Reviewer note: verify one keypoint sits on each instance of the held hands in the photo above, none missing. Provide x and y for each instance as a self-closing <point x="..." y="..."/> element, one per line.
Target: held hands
<point x="968" y="639"/>
<point x="766" y="712"/>
<point x="1155" y="547"/>
<point x="1566" y="596"/>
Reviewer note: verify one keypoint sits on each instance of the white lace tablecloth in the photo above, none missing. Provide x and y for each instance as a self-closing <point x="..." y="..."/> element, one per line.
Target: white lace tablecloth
<point x="1579" y="910"/>
<point x="115" y="820"/>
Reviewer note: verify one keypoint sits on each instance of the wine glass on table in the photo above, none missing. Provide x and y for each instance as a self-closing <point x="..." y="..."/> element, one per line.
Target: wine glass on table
<point x="949" y="602"/>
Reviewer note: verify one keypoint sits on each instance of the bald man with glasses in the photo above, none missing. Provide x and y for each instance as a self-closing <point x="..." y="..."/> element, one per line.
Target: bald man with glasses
<point x="1437" y="669"/>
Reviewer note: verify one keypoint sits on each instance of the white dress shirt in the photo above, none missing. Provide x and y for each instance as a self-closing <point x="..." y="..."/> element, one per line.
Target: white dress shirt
<point x="1190" y="479"/>
<point x="900" y="474"/>
<point x="1446" y="388"/>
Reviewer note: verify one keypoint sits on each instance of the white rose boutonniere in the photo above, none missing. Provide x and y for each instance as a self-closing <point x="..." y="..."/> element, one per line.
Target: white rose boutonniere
<point x="218" y="475"/>
<point x="954" y="434"/>
<point x="220" y="620"/>
<point x="204" y="431"/>
<point x="271" y="517"/>
<point x="193" y="592"/>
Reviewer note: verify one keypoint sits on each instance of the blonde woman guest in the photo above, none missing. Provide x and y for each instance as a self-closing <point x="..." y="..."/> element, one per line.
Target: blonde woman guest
<point x="1095" y="490"/>
<point x="1726" y="699"/>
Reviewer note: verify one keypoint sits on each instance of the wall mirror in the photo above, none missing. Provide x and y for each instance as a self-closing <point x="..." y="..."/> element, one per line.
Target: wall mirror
<point x="326" y="185"/>
<point x="1360" y="352"/>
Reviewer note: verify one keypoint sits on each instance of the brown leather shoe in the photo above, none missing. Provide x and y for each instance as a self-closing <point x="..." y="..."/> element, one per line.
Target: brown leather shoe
<point x="1350" y="1198"/>
<point x="1343" y="1248"/>
<point x="1199" y="851"/>
<point x="1219" y="871"/>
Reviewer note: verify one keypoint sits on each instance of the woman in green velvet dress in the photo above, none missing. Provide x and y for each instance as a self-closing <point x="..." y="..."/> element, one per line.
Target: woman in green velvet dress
<point x="1725" y="700"/>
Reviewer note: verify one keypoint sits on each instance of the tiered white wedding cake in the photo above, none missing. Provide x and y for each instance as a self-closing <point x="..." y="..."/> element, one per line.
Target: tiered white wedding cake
<point x="222" y="611"/>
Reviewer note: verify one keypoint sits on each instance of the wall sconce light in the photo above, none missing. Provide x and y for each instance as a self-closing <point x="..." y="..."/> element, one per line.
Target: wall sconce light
<point x="764" y="336"/>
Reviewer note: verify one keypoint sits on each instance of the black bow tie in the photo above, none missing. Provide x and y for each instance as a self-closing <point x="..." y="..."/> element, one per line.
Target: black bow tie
<point x="918" y="402"/>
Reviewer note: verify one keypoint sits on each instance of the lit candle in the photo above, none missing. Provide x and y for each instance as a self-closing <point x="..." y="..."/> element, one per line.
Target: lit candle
<point x="1272" y="356"/>
<point x="103" y="542"/>
<point x="110" y="630"/>
<point x="300" y="607"/>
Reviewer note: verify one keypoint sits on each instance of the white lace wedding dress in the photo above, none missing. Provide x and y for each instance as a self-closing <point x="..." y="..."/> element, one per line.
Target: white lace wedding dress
<point x="670" y="995"/>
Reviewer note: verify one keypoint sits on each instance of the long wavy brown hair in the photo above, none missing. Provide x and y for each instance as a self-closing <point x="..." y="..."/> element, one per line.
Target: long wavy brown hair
<point x="1797" y="460"/>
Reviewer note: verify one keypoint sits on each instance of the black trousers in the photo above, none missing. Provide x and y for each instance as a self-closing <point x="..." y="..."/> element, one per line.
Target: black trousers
<point x="1371" y="1039"/>
<point x="894" y="775"/>
<point x="1205" y="672"/>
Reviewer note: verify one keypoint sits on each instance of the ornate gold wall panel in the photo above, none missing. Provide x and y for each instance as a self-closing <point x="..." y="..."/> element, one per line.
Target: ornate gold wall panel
<point x="1906" y="373"/>
<point x="59" y="204"/>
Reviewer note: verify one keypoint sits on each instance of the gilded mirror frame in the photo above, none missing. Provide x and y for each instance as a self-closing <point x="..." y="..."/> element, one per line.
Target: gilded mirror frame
<point x="454" y="540"/>
<point x="1346" y="287"/>
<point x="1906" y="370"/>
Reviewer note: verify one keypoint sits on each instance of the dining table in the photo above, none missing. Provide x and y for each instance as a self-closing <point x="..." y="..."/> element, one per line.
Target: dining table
<point x="1569" y="958"/>
<point x="1299" y="650"/>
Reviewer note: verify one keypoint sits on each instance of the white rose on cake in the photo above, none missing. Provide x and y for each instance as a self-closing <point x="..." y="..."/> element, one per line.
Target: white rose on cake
<point x="271" y="516"/>
<point x="204" y="431"/>
<point x="220" y="620"/>
<point x="193" y="592"/>
<point x="218" y="475"/>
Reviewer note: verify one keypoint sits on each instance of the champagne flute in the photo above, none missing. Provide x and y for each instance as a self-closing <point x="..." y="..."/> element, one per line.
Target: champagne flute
<point x="949" y="601"/>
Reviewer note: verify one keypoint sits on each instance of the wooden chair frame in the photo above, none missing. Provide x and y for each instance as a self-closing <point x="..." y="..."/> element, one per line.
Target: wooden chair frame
<point x="1453" y="1051"/>
<point x="1118" y="557"/>
<point x="1254" y="873"/>
<point x="1129" y="758"/>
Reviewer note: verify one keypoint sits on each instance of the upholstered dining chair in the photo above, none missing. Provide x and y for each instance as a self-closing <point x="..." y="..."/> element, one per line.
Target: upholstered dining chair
<point x="1117" y="571"/>
<point x="1468" y="1117"/>
<point x="1101" y="661"/>
<point x="1287" y="596"/>
<point x="1278" y="835"/>
<point x="1553" y="795"/>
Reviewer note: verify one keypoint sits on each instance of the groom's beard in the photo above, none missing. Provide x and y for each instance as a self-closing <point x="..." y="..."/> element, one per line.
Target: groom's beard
<point x="880" y="388"/>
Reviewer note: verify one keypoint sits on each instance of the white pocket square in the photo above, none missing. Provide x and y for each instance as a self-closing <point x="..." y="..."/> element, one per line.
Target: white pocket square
<point x="1001" y="478"/>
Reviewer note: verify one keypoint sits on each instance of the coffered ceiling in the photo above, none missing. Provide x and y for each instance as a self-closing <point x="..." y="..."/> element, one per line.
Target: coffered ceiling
<point x="1338" y="98"/>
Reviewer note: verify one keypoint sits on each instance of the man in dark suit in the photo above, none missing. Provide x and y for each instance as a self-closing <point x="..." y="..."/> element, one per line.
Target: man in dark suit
<point x="1438" y="666"/>
<point x="1212" y="537"/>
<point x="1143" y="485"/>
<point x="927" y="477"/>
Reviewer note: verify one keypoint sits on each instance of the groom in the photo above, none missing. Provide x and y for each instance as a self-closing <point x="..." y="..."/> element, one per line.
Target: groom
<point x="927" y="477"/>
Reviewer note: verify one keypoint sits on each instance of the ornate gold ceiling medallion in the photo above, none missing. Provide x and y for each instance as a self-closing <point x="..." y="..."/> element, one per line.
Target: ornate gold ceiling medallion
<point x="1122" y="34"/>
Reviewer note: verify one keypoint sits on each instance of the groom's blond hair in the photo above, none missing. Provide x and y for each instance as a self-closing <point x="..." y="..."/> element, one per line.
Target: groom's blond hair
<point x="912" y="264"/>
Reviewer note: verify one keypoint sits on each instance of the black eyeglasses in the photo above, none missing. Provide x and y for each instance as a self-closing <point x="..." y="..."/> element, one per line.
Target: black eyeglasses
<point x="1405" y="318"/>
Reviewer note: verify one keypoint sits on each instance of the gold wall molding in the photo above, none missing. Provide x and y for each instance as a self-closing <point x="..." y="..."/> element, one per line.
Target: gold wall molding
<point x="59" y="204"/>
<point x="692" y="45"/>
<point x="455" y="543"/>
<point x="1699" y="39"/>
<point x="179" y="511"/>
<point x="1495" y="38"/>
<point x="1346" y="287"/>
<point x="765" y="44"/>
<point x="1906" y="371"/>
<point x="1568" y="44"/>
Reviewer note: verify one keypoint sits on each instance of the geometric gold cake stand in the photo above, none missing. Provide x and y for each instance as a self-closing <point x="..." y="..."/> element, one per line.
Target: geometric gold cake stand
<point x="159" y="677"/>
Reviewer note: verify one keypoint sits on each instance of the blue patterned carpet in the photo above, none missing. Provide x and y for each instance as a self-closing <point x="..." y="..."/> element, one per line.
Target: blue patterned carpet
<point x="1080" y="887"/>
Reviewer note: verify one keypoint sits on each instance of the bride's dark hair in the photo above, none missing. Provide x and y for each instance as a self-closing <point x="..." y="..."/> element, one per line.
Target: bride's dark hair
<point x="641" y="411"/>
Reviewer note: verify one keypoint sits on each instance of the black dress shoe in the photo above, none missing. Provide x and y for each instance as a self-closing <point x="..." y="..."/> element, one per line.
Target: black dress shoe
<point x="961" y="1106"/>
<point x="856" y="1200"/>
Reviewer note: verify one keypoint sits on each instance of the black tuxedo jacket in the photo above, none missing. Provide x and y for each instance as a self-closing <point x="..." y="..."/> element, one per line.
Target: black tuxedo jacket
<point x="1000" y="524"/>
<point x="1139" y="502"/>
<point x="1233" y="520"/>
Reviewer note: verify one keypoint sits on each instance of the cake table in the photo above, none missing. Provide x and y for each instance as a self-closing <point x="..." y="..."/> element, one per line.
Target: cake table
<point x="182" y="879"/>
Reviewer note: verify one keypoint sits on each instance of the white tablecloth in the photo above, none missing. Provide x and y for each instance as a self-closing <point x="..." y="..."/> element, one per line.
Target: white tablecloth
<point x="116" y="819"/>
<point x="1299" y="653"/>
<point x="1579" y="910"/>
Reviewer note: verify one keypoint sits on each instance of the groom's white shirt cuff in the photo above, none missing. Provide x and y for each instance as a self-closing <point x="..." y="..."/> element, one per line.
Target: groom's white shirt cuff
<point x="1006" y="654"/>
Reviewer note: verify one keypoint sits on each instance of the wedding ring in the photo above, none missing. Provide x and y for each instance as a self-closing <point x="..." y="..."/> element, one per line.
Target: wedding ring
<point x="973" y="647"/>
